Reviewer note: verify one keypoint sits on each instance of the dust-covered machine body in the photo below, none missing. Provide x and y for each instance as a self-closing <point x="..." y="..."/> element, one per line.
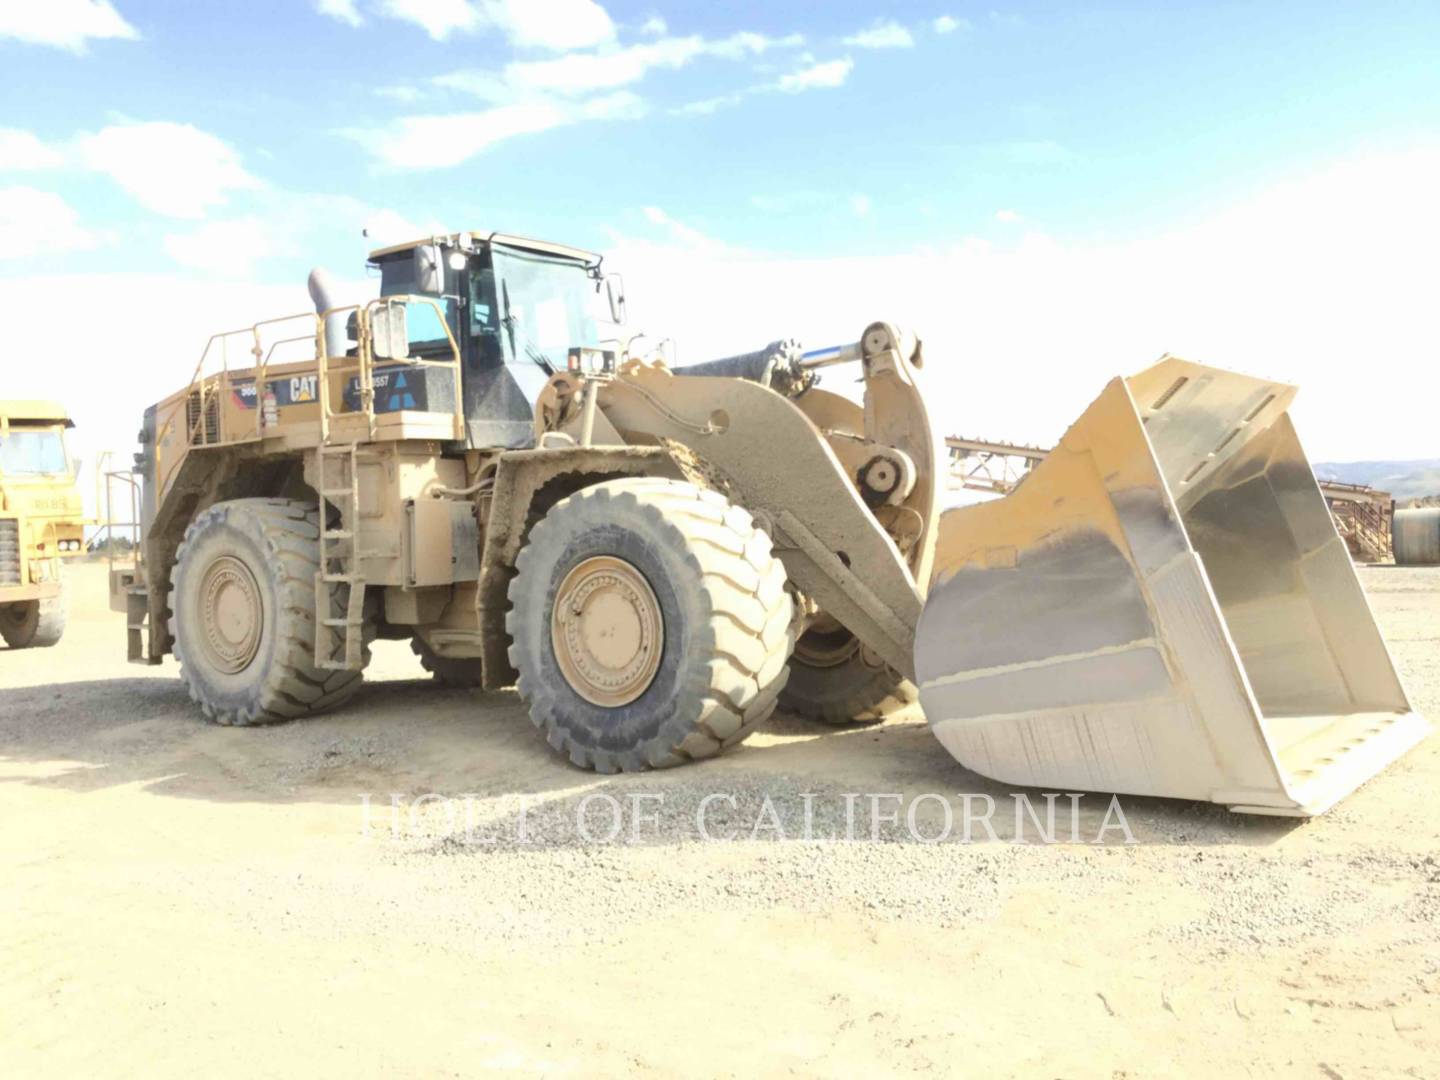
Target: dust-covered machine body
<point x="42" y="521"/>
<point x="658" y="556"/>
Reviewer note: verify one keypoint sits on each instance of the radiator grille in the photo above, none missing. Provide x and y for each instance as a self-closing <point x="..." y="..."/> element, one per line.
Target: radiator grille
<point x="9" y="552"/>
<point x="209" y="432"/>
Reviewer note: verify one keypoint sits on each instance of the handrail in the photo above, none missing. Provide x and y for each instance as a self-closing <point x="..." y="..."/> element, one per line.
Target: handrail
<point x="135" y="524"/>
<point x="212" y="374"/>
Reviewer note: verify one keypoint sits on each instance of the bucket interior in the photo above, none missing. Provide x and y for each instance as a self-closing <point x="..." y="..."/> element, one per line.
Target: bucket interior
<point x="1289" y="597"/>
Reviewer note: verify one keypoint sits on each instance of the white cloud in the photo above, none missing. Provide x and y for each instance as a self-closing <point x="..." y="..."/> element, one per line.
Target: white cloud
<point x="683" y="238"/>
<point x="554" y="24"/>
<point x="21" y="151"/>
<point x="578" y="73"/>
<point x="1008" y="217"/>
<point x="173" y="169"/>
<point x="437" y="142"/>
<point x="229" y="248"/>
<point x="438" y="18"/>
<point x="581" y="72"/>
<point x="406" y="94"/>
<point x="35" y="222"/>
<point x="63" y="24"/>
<point x="825" y="75"/>
<point x="948" y="24"/>
<point x="706" y="106"/>
<point x="654" y="26"/>
<point x="420" y="142"/>
<point x="1325" y="280"/>
<point x="860" y="205"/>
<point x="887" y="34"/>
<point x="343" y="10"/>
<point x="745" y="43"/>
<point x="530" y="96"/>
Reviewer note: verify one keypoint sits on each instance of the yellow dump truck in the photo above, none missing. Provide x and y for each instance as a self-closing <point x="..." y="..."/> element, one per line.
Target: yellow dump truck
<point x="41" y="521"/>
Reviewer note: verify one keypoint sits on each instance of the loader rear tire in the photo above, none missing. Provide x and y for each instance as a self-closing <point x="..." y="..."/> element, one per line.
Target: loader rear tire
<point x="243" y="614"/>
<point x="461" y="673"/>
<point x="650" y="624"/>
<point x="833" y="680"/>
<point x="33" y="624"/>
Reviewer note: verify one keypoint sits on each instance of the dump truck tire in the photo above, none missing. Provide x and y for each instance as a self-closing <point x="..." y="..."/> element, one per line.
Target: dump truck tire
<point x="663" y="603"/>
<point x="831" y="681"/>
<point x="461" y="673"/>
<point x="33" y="624"/>
<point x="243" y="614"/>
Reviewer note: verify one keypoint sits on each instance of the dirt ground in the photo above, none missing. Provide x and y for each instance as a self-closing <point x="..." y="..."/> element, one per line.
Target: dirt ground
<point x="181" y="897"/>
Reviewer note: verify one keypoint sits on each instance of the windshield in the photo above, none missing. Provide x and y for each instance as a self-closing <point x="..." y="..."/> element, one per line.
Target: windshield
<point x="541" y="306"/>
<point x="32" y="453"/>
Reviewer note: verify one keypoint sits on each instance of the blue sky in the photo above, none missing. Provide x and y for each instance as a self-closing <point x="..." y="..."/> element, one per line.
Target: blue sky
<point x="1097" y="120"/>
<point x="221" y="145"/>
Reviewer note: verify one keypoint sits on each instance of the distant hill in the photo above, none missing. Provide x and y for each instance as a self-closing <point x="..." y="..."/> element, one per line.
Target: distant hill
<point x="1403" y="479"/>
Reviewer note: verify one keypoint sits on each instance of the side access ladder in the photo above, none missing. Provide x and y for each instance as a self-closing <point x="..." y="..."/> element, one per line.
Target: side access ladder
<point x="340" y="583"/>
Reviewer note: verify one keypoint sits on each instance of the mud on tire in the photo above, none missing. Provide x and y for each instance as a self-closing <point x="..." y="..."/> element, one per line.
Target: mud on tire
<point x="832" y="680"/>
<point x="33" y="624"/>
<point x="726" y="614"/>
<point x="276" y="543"/>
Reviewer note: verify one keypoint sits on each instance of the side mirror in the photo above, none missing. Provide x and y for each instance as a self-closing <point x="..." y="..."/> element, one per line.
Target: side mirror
<point x="429" y="270"/>
<point x="74" y="468"/>
<point x="389" y="333"/>
<point x="615" y="297"/>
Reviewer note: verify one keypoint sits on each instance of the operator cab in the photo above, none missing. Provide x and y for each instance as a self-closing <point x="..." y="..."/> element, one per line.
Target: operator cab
<point x="32" y="441"/>
<point x="515" y="307"/>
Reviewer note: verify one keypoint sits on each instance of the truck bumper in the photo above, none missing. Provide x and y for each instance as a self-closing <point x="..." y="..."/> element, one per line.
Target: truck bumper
<point x="10" y="594"/>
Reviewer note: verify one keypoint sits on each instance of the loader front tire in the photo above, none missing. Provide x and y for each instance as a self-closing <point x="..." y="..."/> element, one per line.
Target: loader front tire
<point x="33" y="624"/>
<point x="650" y="624"/>
<point x="833" y="679"/>
<point x="243" y="622"/>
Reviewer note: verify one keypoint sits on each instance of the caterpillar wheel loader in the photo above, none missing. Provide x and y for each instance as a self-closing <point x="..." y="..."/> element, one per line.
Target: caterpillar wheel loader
<point x="41" y="522"/>
<point x="657" y="556"/>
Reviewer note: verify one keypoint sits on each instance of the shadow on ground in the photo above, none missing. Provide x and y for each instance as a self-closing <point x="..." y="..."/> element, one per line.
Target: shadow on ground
<point x="406" y="738"/>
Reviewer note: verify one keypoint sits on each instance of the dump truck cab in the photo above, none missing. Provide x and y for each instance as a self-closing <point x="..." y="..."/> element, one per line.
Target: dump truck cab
<point x="41" y="520"/>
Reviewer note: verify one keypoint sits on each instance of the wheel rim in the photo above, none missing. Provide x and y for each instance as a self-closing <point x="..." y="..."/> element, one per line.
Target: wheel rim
<point x="826" y="644"/>
<point x="231" y="615"/>
<point x="607" y="631"/>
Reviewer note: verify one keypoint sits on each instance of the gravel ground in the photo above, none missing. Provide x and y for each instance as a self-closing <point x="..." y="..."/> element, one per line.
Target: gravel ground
<point x="407" y="888"/>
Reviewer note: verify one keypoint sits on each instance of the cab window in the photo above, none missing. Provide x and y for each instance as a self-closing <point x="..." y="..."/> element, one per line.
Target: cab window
<point x="32" y="453"/>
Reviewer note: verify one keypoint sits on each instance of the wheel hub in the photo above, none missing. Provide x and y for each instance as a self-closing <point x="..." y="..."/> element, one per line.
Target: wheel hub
<point x="826" y="643"/>
<point x="231" y="615"/>
<point x="607" y="631"/>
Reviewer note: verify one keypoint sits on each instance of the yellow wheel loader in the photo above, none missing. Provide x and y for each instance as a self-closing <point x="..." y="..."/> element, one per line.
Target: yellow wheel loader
<point x="657" y="556"/>
<point x="41" y="522"/>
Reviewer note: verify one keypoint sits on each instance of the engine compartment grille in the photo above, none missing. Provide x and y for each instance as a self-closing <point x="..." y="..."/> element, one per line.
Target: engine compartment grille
<point x="10" y="552"/>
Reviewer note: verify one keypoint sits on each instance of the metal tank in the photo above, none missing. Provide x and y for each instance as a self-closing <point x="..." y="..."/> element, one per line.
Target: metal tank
<point x="1416" y="536"/>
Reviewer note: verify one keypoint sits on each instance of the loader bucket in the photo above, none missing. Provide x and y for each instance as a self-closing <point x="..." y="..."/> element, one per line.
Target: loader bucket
<point x="1163" y="607"/>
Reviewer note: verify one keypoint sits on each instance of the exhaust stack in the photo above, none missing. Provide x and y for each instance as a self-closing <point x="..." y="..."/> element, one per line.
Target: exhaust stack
<point x="1163" y="607"/>
<point x="323" y="296"/>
